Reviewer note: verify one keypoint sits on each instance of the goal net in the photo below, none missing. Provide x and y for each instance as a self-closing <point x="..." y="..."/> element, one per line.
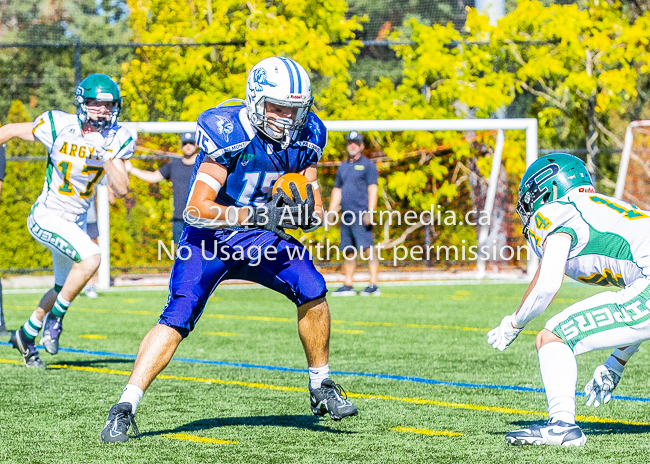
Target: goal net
<point x="633" y="183"/>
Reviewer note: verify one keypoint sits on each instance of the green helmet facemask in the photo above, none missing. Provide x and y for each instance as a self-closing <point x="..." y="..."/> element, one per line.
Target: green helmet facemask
<point x="547" y="179"/>
<point x="101" y="88"/>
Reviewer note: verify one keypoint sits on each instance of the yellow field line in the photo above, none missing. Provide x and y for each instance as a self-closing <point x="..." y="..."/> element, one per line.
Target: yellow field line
<point x="410" y="295"/>
<point x="222" y="334"/>
<point x="444" y="404"/>
<point x="195" y="438"/>
<point x="443" y="433"/>
<point x="9" y="361"/>
<point x="93" y="336"/>
<point x="343" y="331"/>
<point x="293" y="320"/>
<point x="250" y="318"/>
<point x="383" y="324"/>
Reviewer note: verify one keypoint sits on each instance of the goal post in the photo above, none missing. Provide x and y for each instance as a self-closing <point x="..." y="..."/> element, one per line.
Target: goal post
<point x="529" y="125"/>
<point x="627" y="152"/>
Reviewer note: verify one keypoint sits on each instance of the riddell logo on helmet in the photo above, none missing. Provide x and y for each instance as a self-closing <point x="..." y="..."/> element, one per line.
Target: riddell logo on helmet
<point x="295" y="97"/>
<point x="586" y="190"/>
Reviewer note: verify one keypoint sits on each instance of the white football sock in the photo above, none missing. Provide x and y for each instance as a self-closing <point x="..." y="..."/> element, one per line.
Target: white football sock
<point x="559" y="374"/>
<point x="33" y="326"/>
<point x="131" y="394"/>
<point x="317" y="375"/>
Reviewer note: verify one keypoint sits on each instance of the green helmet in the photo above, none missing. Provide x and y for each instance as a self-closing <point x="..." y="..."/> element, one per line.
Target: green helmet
<point x="547" y="179"/>
<point x="102" y="88"/>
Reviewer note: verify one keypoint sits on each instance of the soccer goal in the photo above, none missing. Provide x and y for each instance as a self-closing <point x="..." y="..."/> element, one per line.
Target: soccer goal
<point x="493" y="181"/>
<point x="633" y="182"/>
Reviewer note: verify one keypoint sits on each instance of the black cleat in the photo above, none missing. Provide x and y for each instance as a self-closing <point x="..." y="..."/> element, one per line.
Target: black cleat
<point x="331" y="398"/>
<point x="27" y="348"/>
<point x="52" y="328"/>
<point x="120" y="418"/>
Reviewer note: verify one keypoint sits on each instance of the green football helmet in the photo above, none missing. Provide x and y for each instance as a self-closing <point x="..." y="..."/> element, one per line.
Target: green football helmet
<point x="101" y="88"/>
<point x="547" y="179"/>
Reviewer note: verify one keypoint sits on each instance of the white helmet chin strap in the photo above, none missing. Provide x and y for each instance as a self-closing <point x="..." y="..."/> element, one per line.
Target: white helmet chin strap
<point x="271" y="132"/>
<point x="283" y="135"/>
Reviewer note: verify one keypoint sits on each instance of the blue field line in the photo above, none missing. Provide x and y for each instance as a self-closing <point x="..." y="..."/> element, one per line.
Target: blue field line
<point x="402" y="378"/>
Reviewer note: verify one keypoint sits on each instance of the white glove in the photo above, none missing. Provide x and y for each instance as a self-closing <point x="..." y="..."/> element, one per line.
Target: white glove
<point x="97" y="141"/>
<point x="599" y="389"/>
<point x="501" y="337"/>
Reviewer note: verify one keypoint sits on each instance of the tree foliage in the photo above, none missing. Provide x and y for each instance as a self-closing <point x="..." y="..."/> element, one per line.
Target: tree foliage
<point x="171" y="83"/>
<point x="585" y="67"/>
<point x="44" y="77"/>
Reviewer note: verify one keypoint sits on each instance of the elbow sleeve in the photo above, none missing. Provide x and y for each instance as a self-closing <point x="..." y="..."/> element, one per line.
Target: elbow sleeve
<point x="548" y="282"/>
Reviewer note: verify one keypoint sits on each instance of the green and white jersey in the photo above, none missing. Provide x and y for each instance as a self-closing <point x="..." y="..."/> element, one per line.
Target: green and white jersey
<point x="73" y="170"/>
<point x="610" y="238"/>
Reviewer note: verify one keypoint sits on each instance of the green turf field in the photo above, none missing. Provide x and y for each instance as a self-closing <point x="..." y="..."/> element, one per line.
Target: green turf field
<point x="227" y="414"/>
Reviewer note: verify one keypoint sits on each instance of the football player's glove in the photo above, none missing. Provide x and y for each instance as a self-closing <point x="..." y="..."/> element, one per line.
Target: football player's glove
<point x="306" y="219"/>
<point x="501" y="337"/>
<point x="599" y="389"/>
<point x="276" y="215"/>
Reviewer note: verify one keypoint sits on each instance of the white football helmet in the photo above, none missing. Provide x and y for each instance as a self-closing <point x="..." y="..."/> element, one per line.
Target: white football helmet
<point x="283" y="82"/>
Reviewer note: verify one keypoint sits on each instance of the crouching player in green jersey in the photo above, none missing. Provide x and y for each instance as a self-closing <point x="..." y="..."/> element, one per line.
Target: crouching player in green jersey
<point x="594" y="239"/>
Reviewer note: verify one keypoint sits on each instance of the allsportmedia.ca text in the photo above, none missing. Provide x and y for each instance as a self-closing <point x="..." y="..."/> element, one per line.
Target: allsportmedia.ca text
<point x="434" y="216"/>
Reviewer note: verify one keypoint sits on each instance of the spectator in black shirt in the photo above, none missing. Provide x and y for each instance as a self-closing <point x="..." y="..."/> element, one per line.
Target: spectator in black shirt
<point x="179" y="171"/>
<point x="355" y="190"/>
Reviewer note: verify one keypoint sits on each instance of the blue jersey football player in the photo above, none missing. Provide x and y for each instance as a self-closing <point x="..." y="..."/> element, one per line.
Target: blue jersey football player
<point x="235" y="229"/>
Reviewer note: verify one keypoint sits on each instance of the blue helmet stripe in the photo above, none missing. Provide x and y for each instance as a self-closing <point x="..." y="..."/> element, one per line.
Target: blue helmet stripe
<point x="284" y="60"/>
<point x="293" y="63"/>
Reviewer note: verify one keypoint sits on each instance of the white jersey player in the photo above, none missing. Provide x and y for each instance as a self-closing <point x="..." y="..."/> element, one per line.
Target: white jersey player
<point x="81" y="148"/>
<point x="594" y="239"/>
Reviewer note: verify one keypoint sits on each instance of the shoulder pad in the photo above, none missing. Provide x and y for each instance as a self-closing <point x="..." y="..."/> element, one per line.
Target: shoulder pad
<point x="314" y="135"/>
<point x="62" y="119"/>
<point x="221" y="130"/>
<point x="117" y="132"/>
<point x="556" y="216"/>
<point x="120" y="140"/>
<point x="49" y="125"/>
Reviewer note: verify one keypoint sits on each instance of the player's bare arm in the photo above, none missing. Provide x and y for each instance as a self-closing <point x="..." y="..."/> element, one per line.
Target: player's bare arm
<point x="148" y="176"/>
<point x="118" y="179"/>
<point x="21" y="130"/>
<point x="540" y="292"/>
<point x="210" y="177"/>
